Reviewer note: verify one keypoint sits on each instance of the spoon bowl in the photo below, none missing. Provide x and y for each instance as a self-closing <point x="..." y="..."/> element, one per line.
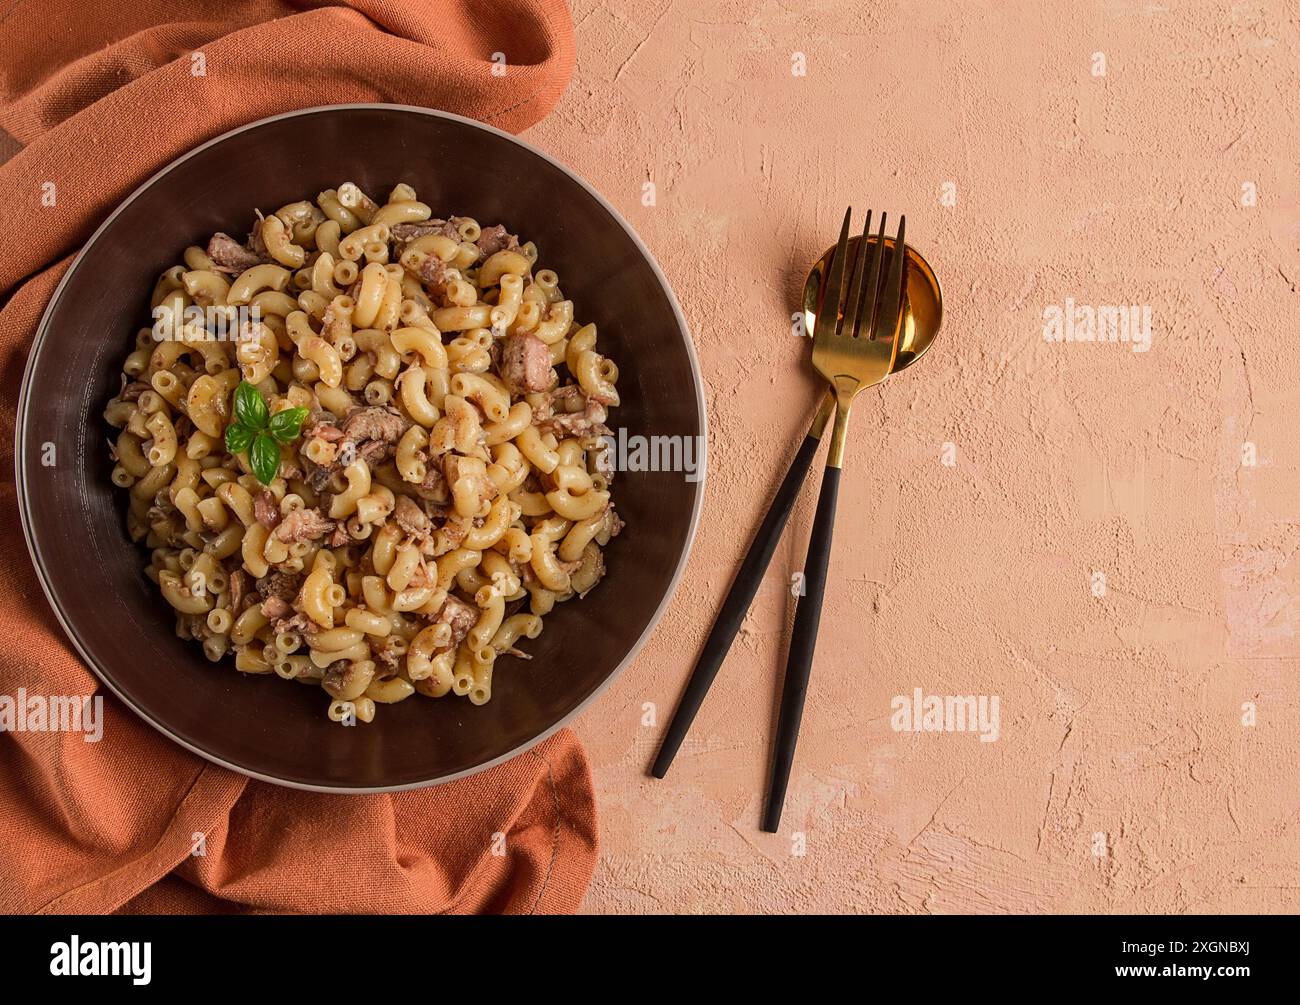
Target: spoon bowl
<point x="922" y="312"/>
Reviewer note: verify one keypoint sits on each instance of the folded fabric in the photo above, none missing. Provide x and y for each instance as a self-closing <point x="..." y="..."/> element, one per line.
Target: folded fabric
<point x="95" y="99"/>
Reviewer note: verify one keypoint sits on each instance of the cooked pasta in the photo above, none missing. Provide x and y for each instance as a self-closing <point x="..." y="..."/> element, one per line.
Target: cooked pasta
<point x="391" y="470"/>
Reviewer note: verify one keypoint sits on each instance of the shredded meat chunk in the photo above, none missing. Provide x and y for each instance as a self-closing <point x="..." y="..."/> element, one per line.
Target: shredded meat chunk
<point x="275" y="608"/>
<point x="589" y="422"/>
<point x="339" y="676"/>
<point x="231" y="257"/>
<point x="327" y="431"/>
<point x="434" y="486"/>
<point x="434" y="273"/>
<point x="586" y="421"/>
<point x="295" y="622"/>
<point x="375" y="452"/>
<point x="460" y="616"/>
<point x="282" y="585"/>
<point x="526" y="364"/>
<point x="388" y="653"/>
<point x="404" y="233"/>
<point x="568" y="398"/>
<point x="376" y="422"/>
<point x="411" y="518"/>
<point x="193" y="626"/>
<point x="318" y="476"/>
<point x="371" y="433"/>
<point x="304" y="525"/>
<point x="266" y="509"/>
<point x="496" y="239"/>
<point x="320" y="425"/>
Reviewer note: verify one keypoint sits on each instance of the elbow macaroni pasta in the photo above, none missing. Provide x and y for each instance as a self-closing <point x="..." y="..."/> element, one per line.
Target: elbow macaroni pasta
<point x="447" y="489"/>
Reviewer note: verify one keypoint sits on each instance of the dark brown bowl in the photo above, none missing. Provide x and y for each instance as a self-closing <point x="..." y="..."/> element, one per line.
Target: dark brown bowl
<point x="74" y="517"/>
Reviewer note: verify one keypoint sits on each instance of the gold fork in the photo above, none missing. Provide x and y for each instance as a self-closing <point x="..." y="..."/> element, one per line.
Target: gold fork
<point x="855" y="342"/>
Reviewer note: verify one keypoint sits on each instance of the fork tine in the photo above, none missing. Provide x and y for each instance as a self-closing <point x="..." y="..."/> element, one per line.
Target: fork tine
<point x="828" y="316"/>
<point x="871" y="298"/>
<point x="853" y="306"/>
<point x="891" y="297"/>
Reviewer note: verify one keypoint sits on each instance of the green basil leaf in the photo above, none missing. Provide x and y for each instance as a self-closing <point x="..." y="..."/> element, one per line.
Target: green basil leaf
<point x="286" y="426"/>
<point x="264" y="456"/>
<point x="238" y="438"/>
<point x="250" y="407"/>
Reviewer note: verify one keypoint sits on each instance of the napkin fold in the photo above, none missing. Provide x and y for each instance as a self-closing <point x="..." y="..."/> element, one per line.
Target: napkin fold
<point x="95" y="98"/>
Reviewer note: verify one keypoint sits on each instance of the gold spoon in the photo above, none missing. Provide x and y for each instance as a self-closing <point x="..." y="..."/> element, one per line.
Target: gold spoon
<point x="922" y="315"/>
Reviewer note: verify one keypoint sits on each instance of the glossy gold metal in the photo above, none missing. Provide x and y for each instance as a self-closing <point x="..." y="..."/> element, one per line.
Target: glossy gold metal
<point x="855" y="334"/>
<point x="922" y="314"/>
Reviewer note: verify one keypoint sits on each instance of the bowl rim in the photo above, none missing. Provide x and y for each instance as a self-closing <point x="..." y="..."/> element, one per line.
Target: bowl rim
<point x="24" y="497"/>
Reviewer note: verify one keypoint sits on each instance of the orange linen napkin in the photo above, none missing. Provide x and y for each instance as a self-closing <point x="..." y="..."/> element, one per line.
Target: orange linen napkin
<point x="98" y="97"/>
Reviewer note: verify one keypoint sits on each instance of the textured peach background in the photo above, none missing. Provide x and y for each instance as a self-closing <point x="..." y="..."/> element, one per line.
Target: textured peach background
<point x="1121" y="715"/>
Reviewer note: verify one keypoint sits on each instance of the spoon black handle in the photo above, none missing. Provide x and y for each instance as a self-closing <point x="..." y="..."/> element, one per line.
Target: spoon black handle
<point x="803" y="641"/>
<point x="738" y="600"/>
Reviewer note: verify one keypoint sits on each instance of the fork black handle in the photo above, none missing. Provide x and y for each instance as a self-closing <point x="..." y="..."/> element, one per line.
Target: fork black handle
<point x="737" y="603"/>
<point x="803" y="641"/>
